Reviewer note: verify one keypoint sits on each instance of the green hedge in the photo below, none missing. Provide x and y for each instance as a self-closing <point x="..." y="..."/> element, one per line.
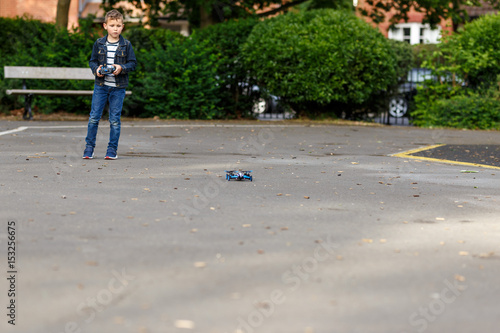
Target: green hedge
<point x="318" y="57"/>
<point x="237" y="96"/>
<point x="26" y="42"/>
<point x="178" y="81"/>
<point x="176" y="77"/>
<point x="474" y="52"/>
<point x="460" y="111"/>
<point x="468" y="64"/>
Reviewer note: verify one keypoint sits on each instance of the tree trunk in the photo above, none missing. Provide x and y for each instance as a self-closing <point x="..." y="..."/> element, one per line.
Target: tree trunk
<point x="206" y="17"/>
<point x="62" y="13"/>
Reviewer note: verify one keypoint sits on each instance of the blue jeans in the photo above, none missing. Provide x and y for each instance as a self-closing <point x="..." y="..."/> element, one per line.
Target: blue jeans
<point x="102" y="95"/>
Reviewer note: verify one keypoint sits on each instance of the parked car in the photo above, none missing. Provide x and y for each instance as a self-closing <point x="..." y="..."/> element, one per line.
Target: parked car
<point x="268" y="106"/>
<point x="399" y="105"/>
<point x="265" y="104"/>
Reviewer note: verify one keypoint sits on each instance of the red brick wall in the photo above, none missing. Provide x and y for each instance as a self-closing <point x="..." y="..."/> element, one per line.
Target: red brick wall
<point x="8" y="8"/>
<point x="43" y="10"/>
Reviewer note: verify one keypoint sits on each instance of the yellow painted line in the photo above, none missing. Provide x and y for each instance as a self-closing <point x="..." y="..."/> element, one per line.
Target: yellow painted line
<point x="408" y="154"/>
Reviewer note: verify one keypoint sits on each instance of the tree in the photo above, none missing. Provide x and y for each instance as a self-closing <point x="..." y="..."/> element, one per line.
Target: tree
<point x="320" y="61"/>
<point x="434" y="10"/>
<point x="201" y="13"/>
<point x="62" y="13"/>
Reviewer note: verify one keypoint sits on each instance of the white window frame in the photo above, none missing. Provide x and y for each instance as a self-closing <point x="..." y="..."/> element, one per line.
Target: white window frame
<point x="428" y="36"/>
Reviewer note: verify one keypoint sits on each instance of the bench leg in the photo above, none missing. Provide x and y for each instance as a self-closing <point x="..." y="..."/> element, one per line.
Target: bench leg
<point x="27" y="107"/>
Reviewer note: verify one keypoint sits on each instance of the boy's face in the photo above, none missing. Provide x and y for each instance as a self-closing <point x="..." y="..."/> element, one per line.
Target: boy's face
<point x="114" y="28"/>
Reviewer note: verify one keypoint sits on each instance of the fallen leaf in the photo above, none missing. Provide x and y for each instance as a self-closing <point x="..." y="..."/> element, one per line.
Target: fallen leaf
<point x="366" y="240"/>
<point x="246" y="225"/>
<point x="188" y="324"/>
<point x="200" y="264"/>
<point x="486" y="255"/>
<point x="463" y="253"/>
<point x="459" y="278"/>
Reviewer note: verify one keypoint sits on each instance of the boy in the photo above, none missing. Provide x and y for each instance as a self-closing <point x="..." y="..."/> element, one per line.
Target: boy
<point x="111" y="50"/>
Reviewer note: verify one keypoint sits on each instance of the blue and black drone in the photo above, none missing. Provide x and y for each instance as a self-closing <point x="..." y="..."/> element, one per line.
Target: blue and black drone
<point x="238" y="175"/>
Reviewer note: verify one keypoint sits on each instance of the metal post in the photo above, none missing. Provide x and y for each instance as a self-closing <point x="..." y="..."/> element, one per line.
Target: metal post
<point x="27" y="115"/>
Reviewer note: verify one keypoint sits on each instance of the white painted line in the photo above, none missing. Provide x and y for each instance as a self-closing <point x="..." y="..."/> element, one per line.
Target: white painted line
<point x="210" y="125"/>
<point x="22" y="128"/>
<point x="170" y="125"/>
<point x="19" y="129"/>
<point x="64" y="126"/>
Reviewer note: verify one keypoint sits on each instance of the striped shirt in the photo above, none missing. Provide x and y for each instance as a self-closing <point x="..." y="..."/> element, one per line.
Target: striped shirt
<point x="109" y="80"/>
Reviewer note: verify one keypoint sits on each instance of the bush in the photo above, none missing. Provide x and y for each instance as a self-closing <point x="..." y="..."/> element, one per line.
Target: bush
<point x="319" y="57"/>
<point x="178" y="80"/>
<point x="474" y="53"/>
<point x="460" y="111"/>
<point x="470" y="57"/>
<point x="236" y="94"/>
<point x="405" y="58"/>
<point x="26" y="42"/>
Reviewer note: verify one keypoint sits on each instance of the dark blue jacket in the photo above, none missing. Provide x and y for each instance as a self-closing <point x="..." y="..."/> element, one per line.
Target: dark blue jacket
<point x="124" y="57"/>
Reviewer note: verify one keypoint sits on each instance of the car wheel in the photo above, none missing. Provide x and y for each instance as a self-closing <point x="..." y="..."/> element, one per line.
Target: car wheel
<point x="398" y="106"/>
<point x="260" y="106"/>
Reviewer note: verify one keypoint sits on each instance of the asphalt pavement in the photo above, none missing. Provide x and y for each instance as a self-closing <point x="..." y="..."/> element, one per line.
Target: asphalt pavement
<point x="343" y="229"/>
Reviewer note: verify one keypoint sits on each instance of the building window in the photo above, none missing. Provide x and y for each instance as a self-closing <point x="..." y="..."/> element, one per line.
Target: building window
<point x="422" y="33"/>
<point x="415" y="33"/>
<point x="407" y="35"/>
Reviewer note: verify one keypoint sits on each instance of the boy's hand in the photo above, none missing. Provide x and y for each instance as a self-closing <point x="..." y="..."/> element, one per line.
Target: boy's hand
<point x="118" y="69"/>
<point x="98" y="71"/>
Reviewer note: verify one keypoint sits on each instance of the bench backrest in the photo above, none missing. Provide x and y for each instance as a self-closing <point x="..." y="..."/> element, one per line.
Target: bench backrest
<point x="55" y="73"/>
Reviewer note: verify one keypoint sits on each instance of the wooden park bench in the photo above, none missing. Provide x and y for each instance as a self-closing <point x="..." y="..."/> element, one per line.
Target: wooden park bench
<point x="50" y="73"/>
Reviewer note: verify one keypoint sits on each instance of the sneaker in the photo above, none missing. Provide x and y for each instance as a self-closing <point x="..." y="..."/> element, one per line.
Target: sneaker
<point x="111" y="154"/>
<point x="88" y="153"/>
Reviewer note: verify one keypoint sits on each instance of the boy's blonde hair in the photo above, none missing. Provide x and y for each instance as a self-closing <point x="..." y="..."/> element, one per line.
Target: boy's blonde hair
<point x="113" y="15"/>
